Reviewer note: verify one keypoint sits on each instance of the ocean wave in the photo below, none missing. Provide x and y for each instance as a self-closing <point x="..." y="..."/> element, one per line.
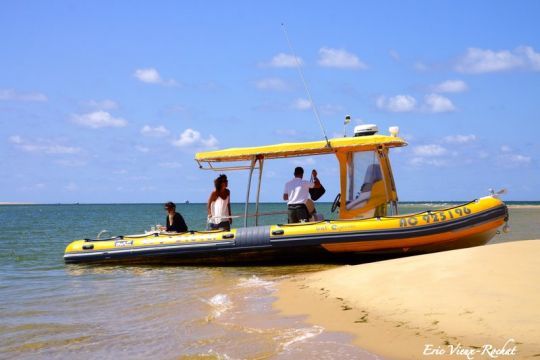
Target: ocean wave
<point x="219" y="303"/>
<point x="256" y="282"/>
<point x="292" y="336"/>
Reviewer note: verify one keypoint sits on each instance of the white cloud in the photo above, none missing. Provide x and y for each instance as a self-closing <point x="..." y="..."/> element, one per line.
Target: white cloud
<point x="477" y="61"/>
<point x="481" y="61"/>
<point x="98" y="119"/>
<point x="429" y="150"/>
<point x="518" y="158"/>
<point x="437" y="103"/>
<point x="304" y="162"/>
<point x="15" y="139"/>
<point x="13" y="95"/>
<point x="301" y="104"/>
<point x="147" y="188"/>
<point x="398" y="103"/>
<point x="271" y="106"/>
<point x="326" y="109"/>
<point x="419" y="161"/>
<point x="421" y="67"/>
<point x="207" y="86"/>
<point x="482" y="154"/>
<point x="282" y="60"/>
<point x="329" y="109"/>
<point x="170" y="165"/>
<point x="149" y="75"/>
<point x="270" y="174"/>
<point x="42" y="146"/>
<point x="192" y="137"/>
<point x="33" y="187"/>
<point x="511" y="160"/>
<point x="275" y="84"/>
<point x="532" y="57"/>
<point x="339" y="58"/>
<point x="152" y="76"/>
<point x="158" y="131"/>
<point x="508" y="158"/>
<point x="459" y="139"/>
<point x="406" y="136"/>
<point x="71" y="187"/>
<point x="394" y="55"/>
<point x="429" y="155"/>
<point x="142" y="149"/>
<point x="106" y="104"/>
<point x="138" y="178"/>
<point x="71" y="162"/>
<point x="450" y="86"/>
<point x="177" y="109"/>
<point x="286" y="132"/>
<point x="406" y="103"/>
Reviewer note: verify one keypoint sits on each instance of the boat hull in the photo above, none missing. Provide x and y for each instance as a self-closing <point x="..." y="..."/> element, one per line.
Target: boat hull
<point x="466" y="225"/>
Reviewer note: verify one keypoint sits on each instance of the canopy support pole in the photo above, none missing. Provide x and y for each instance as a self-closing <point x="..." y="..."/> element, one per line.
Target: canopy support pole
<point x="253" y="161"/>
<point x="381" y="158"/>
<point x="261" y="162"/>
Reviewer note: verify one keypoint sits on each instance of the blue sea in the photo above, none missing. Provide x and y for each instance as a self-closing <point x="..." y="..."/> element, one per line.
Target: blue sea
<point x="53" y="310"/>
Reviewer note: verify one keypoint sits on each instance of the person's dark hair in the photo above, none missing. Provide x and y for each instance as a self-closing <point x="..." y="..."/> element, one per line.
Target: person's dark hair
<point x="170" y="205"/>
<point x="220" y="180"/>
<point x="298" y="171"/>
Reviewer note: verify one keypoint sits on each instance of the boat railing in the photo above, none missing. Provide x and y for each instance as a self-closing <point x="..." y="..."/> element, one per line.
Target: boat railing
<point x="255" y="215"/>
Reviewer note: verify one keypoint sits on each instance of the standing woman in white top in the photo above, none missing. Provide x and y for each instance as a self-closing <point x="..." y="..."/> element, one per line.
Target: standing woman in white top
<point x="219" y="205"/>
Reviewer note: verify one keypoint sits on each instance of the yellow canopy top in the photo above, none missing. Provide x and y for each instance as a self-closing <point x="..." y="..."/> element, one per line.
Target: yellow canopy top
<point x="360" y="143"/>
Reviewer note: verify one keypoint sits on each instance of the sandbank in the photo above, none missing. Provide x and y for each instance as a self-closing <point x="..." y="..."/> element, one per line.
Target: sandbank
<point x="467" y="299"/>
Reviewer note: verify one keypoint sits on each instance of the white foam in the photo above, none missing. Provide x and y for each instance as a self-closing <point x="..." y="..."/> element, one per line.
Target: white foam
<point x="297" y="335"/>
<point x="220" y="356"/>
<point x="256" y="282"/>
<point x="220" y="303"/>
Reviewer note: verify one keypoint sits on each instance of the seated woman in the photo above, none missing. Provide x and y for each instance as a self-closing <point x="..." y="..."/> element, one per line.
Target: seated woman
<point x="219" y="205"/>
<point x="175" y="222"/>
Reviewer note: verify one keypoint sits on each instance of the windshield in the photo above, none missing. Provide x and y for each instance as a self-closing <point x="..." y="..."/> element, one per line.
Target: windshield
<point x="363" y="171"/>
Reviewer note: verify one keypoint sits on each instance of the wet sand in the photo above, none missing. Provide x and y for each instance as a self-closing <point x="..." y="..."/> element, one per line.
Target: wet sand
<point x="463" y="301"/>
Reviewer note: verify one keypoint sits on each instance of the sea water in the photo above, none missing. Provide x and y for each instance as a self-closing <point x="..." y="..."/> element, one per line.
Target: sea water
<point x="52" y="310"/>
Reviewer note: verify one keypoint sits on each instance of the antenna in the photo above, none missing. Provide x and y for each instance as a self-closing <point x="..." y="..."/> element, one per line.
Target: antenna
<point x="299" y="68"/>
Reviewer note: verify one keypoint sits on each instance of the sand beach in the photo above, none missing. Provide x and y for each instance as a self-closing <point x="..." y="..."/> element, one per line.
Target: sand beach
<point x="466" y="304"/>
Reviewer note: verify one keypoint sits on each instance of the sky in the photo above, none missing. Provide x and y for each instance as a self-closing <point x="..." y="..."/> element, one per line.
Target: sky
<point x="108" y="101"/>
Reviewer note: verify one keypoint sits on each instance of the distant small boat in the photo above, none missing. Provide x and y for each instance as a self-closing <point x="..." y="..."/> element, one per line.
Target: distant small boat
<point x="187" y="202"/>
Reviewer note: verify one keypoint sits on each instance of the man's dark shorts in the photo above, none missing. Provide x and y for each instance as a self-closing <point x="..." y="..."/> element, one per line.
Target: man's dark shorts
<point x="297" y="213"/>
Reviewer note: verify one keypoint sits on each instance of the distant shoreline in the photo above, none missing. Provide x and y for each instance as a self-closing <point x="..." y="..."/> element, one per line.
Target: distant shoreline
<point x="17" y="203"/>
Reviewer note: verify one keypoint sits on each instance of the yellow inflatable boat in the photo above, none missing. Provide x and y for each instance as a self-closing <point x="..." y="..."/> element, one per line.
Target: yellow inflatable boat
<point x="367" y="219"/>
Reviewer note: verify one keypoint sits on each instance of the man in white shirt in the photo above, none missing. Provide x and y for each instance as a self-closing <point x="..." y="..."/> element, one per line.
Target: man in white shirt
<point x="296" y="194"/>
